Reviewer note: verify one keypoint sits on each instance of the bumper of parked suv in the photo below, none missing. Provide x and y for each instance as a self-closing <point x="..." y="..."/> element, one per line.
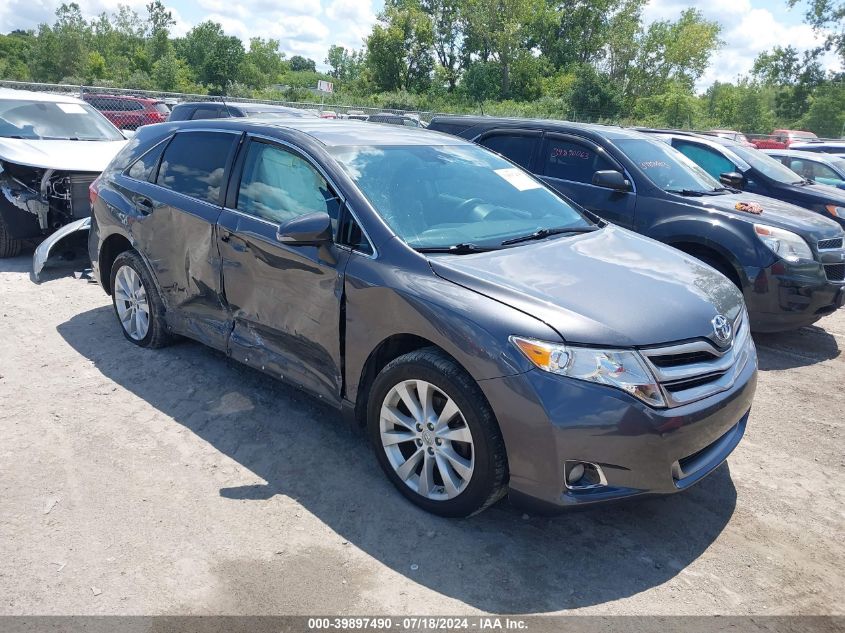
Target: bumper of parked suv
<point x="786" y="296"/>
<point x="551" y="423"/>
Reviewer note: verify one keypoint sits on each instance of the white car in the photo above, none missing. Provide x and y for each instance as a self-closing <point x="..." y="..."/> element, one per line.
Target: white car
<point x="52" y="147"/>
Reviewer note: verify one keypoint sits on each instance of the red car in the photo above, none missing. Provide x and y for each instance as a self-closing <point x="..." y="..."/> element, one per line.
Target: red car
<point x="129" y="113"/>
<point x="781" y="139"/>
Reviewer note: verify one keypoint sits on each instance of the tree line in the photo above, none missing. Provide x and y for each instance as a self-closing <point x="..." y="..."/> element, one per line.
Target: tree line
<point x="581" y="60"/>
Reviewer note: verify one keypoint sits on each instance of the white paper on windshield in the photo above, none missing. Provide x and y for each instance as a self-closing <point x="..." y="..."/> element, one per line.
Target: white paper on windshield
<point x="518" y="178"/>
<point x="71" y="108"/>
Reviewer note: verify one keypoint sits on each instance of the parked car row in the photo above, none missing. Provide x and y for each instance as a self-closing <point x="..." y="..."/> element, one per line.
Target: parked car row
<point x="490" y="299"/>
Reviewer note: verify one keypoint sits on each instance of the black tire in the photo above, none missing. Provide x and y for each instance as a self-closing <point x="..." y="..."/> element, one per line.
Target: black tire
<point x="488" y="482"/>
<point x="157" y="334"/>
<point x="9" y="246"/>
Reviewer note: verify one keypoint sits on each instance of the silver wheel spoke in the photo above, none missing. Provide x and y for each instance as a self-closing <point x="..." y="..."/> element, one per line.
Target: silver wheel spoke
<point x="410" y="401"/>
<point x="446" y="474"/>
<point x="450" y="410"/>
<point x="390" y="438"/>
<point x="133" y="310"/>
<point x="462" y="466"/>
<point x="425" y="391"/>
<point x="407" y="469"/>
<point x="427" y="476"/>
<point x="460" y="434"/>
<point x="394" y="416"/>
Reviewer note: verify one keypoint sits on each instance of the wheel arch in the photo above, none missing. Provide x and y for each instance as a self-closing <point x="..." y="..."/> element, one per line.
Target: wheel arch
<point x="389" y="349"/>
<point x="713" y="252"/>
<point x="113" y="245"/>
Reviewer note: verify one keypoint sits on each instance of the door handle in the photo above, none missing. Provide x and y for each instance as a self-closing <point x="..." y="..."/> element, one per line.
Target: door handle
<point x="143" y="204"/>
<point x="225" y="236"/>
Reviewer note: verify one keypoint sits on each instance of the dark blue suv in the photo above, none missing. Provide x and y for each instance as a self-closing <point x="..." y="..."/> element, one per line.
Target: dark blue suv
<point x="789" y="262"/>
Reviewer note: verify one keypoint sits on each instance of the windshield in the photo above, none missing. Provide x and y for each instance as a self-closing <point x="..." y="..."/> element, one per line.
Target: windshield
<point x="666" y="167"/>
<point x="50" y="120"/>
<point x="440" y="196"/>
<point x="767" y="165"/>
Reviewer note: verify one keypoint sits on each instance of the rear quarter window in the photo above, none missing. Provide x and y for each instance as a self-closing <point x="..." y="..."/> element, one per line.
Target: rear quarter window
<point x="194" y="164"/>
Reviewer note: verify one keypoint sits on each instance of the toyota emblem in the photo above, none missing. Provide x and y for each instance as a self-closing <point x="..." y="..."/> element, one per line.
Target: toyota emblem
<point x="722" y="328"/>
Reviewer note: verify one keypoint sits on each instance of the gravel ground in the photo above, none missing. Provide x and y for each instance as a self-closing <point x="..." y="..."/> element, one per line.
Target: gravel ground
<point x="176" y="481"/>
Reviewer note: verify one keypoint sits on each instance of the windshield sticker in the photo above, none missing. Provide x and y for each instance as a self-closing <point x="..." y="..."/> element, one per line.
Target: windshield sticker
<point x="71" y="108"/>
<point x="749" y="207"/>
<point x="649" y="164"/>
<point x="518" y="178"/>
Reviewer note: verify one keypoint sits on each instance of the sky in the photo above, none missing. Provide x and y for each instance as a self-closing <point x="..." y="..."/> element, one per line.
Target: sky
<point x="309" y="27"/>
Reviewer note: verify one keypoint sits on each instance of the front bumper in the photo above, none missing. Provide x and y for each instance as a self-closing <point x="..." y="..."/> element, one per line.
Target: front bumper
<point x="547" y="420"/>
<point x="786" y="296"/>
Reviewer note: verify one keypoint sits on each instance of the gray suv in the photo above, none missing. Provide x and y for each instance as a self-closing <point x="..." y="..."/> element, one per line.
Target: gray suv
<point x="489" y="335"/>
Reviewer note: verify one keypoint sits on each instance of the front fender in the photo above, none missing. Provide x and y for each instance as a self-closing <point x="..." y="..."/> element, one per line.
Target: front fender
<point x="469" y="326"/>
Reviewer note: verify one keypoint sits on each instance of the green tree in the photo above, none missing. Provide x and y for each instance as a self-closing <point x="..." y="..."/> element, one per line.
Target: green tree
<point x="447" y="18"/>
<point x="15" y="53"/>
<point x="828" y="17"/>
<point x="593" y="96"/>
<point x="399" y="49"/>
<point x="826" y="114"/>
<point x="213" y="56"/>
<point x="344" y="64"/>
<point x="299" y="63"/>
<point x="501" y="30"/>
<point x="793" y="77"/>
<point x="674" y="53"/>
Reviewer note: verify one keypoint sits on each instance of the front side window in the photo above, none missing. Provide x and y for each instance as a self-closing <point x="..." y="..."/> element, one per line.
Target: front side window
<point x="194" y="164"/>
<point x="52" y="120"/>
<point x="568" y="160"/>
<point x="436" y="196"/>
<point x="516" y="147"/>
<point x="707" y="158"/>
<point x="666" y="167"/>
<point x="278" y="185"/>
<point x="812" y="170"/>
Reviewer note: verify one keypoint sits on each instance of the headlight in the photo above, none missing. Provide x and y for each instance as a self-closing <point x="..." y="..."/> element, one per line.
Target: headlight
<point x="623" y="369"/>
<point x="837" y="212"/>
<point x="786" y="244"/>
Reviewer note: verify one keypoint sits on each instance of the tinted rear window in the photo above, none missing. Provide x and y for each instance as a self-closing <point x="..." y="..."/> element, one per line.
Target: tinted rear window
<point x="161" y="107"/>
<point x="516" y="147"/>
<point x="194" y="164"/>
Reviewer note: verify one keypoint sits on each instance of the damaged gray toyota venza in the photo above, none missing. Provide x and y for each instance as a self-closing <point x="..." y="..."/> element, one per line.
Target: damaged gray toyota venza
<point x="491" y="336"/>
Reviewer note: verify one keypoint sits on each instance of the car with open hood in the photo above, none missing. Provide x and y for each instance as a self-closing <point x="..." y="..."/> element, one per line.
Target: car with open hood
<point x="491" y="337"/>
<point x="52" y="147"/>
<point x="789" y="262"/>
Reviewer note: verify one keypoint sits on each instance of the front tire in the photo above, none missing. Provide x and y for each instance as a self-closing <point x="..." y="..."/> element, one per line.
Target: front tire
<point x="435" y="435"/>
<point x="9" y="246"/>
<point x="137" y="303"/>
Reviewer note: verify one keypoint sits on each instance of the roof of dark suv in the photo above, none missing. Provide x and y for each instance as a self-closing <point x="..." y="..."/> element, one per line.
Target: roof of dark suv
<point x="460" y="124"/>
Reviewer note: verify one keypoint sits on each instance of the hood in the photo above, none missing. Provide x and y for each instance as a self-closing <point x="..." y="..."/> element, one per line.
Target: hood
<point x="60" y="155"/>
<point x="782" y="215"/>
<point x="820" y="193"/>
<point x="611" y="287"/>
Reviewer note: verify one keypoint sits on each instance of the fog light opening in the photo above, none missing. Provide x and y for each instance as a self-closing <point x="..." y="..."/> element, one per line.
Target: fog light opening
<point x="583" y="475"/>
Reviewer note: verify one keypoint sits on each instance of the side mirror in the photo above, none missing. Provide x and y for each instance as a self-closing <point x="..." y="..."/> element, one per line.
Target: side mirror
<point x="309" y="229"/>
<point x="611" y="179"/>
<point x="732" y="179"/>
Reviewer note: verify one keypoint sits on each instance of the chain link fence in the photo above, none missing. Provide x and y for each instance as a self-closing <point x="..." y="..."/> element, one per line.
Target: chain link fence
<point x="130" y="109"/>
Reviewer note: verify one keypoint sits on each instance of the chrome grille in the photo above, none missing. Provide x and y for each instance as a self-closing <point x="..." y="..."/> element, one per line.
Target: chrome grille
<point x="834" y="272"/>
<point x="832" y="244"/>
<point x="697" y="369"/>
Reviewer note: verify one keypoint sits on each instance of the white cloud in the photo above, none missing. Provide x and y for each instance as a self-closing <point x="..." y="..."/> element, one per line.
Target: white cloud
<point x="746" y="32"/>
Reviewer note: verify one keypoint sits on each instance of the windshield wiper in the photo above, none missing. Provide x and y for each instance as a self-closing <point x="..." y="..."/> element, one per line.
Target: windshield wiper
<point x="688" y="192"/>
<point x="543" y="233"/>
<point x="456" y="249"/>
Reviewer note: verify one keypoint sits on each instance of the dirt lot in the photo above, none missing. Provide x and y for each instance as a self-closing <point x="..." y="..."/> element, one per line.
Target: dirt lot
<point x="176" y="481"/>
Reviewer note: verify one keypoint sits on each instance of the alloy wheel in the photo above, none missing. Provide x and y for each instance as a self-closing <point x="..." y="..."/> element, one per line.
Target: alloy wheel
<point x="426" y="439"/>
<point x="130" y="299"/>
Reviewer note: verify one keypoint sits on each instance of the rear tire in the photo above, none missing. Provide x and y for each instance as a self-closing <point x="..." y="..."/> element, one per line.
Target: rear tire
<point x="9" y="246"/>
<point x="137" y="303"/>
<point x="435" y="435"/>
